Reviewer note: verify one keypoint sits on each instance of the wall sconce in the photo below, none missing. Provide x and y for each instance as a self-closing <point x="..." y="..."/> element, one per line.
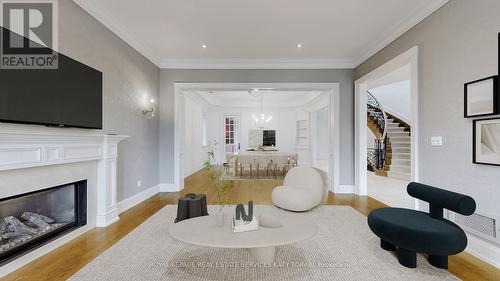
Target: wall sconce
<point x="149" y="111"/>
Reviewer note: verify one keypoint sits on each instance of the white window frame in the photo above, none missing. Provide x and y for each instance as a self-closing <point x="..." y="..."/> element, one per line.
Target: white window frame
<point x="204" y="138"/>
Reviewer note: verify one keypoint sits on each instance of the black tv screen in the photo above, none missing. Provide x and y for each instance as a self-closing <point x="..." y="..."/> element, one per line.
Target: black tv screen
<point x="70" y="95"/>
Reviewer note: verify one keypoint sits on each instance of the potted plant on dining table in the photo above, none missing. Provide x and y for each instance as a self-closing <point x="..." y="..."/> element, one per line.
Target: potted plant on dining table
<point x="221" y="187"/>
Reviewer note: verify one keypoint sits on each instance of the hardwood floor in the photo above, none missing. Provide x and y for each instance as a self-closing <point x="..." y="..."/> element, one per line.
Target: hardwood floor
<point x="68" y="259"/>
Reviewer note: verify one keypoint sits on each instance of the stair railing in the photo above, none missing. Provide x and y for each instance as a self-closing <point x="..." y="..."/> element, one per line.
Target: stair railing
<point x="377" y="112"/>
<point x="376" y="156"/>
<point x="372" y="159"/>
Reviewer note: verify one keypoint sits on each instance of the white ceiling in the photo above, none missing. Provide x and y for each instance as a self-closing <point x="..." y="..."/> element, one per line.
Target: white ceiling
<point x="272" y="98"/>
<point x="259" y="33"/>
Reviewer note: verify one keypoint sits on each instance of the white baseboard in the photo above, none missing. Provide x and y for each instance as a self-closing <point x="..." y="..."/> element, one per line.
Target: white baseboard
<point x="483" y="250"/>
<point x="108" y="218"/>
<point x="138" y="198"/>
<point x="193" y="171"/>
<point x="343" y="188"/>
<point x="169" y="187"/>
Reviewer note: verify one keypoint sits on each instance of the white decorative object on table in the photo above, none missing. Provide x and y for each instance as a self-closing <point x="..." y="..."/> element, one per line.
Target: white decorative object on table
<point x="243" y="226"/>
<point x="220" y="218"/>
<point x="242" y="221"/>
<point x="269" y="221"/>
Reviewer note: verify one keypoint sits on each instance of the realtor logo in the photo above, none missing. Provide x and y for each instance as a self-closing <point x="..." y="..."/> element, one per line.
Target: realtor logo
<point x="29" y="34"/>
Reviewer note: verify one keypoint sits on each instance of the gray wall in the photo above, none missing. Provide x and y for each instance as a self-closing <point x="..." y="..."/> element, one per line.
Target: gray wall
<point x="127" y="77"/>
<point x="170" y="76"/>
<point x="458" y="44"/>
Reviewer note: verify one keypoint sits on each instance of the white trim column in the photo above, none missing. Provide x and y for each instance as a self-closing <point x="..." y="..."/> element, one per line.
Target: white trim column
<point x="107" y="210"/>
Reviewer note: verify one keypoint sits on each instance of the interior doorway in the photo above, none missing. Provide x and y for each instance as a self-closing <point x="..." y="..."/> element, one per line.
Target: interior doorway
<point x="236" y="138"/>
<point x="231" y="133"/>
<point x="386" y="114"/>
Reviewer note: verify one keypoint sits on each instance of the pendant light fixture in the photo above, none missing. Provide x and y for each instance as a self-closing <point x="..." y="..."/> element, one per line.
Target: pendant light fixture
<point x="261" y="120"/>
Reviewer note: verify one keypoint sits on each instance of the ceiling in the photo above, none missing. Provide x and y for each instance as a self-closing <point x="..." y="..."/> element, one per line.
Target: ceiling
<point x="259" y="33"/>
<point x="247" y="98"/>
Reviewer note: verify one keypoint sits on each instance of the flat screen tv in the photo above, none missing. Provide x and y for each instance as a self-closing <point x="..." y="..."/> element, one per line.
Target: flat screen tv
<point x="69" y="96"/>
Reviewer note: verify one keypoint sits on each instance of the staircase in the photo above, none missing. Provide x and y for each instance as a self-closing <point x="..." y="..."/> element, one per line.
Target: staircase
<point x="398" y="161"/>
<point x="391" y="155"/>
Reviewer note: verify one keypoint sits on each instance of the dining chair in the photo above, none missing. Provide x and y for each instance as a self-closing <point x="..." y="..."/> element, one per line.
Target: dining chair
<point x="263" y="163"/>
<point x="294" y="159"/>
<point x="245" y="163"/>
<point x="229" y="162"/>
<point x="281" y="163"/>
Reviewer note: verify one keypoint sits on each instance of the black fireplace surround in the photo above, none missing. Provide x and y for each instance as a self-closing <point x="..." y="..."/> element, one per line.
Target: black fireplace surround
<point x="30" y="220"/>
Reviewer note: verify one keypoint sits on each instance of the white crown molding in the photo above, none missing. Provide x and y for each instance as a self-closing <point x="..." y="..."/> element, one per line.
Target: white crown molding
<point x="397" y="30"/>
<point x="250" y="63"/>
<point x="257" y="63"/>
<point x="108" y="22"/>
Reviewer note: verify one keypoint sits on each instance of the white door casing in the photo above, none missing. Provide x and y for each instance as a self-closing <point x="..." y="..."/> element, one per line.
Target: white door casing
<point x="360" y="108"/>
<point x="180" y="88"/>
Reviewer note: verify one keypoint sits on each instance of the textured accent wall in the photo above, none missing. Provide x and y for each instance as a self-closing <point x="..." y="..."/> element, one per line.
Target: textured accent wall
<point x="458" y="44"/>
<point x="343" y="76"/>
<point x="127" y="76"/>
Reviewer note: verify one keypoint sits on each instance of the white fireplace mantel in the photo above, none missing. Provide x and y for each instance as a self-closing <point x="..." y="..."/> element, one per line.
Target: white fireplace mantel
<point x="19" y="150"/>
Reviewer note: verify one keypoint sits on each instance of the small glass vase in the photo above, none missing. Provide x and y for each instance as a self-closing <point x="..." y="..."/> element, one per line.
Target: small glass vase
<point x="220" y="218"/>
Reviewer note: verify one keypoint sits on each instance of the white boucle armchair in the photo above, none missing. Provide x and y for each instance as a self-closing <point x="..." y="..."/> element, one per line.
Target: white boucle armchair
<point x="301" y="191"/>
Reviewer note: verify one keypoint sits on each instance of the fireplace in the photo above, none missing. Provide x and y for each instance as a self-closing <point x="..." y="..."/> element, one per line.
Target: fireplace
<point x="32" y="219"/>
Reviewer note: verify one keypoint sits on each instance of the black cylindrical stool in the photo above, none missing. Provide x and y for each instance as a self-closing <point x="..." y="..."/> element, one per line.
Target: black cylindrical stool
<point x="191" y="206"/>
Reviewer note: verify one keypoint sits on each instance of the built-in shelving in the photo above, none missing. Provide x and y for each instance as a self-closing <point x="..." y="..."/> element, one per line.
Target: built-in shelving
<point x="302" y="132"/>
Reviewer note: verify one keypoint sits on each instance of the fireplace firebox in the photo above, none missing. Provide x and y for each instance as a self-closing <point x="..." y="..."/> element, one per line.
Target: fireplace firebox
<point x="30" y="220"/>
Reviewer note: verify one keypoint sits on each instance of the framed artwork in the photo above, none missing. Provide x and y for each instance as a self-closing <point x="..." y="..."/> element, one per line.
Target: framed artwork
<point x="486" y="141"/>
<point x="255" y="138"/>
<point x="481" y="97"/>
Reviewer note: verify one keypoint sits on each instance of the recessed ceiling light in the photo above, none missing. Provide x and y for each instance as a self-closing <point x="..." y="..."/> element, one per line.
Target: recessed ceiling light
<point x="299" y="45"/>
<point x="204" y="46"/>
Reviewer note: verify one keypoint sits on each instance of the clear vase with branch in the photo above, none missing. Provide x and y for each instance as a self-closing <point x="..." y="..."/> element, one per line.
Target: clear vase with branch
<point x="221" y="187"/>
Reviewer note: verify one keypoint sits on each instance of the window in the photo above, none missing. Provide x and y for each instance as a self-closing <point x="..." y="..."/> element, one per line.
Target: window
<point x="204" y="141"/>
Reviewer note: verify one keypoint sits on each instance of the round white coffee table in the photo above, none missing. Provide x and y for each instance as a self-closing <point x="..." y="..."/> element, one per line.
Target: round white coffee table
<point x="261" y="243"/>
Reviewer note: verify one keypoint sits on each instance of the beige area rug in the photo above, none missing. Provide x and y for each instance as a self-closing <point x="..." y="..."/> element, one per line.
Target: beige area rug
<point x="343" y="249"/>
